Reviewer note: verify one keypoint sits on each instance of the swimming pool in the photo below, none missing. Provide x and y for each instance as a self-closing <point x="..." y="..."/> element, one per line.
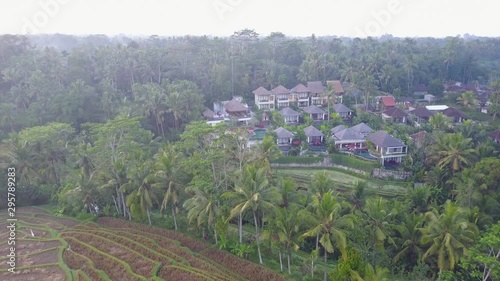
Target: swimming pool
<point x="365" y="154"/>
<point x="259" y="134"/>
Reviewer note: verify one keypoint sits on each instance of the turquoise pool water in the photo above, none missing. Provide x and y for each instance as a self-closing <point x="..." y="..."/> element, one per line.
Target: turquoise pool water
<point x="259" y="134"/>
<point x="365" y="154"/>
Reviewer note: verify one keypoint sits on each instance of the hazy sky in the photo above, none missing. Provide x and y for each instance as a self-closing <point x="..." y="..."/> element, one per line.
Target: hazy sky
<point x="436" y="18"/>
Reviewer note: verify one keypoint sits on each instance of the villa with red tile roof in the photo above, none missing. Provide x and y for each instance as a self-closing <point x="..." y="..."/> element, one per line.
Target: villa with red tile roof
<point x="387" y="102"/>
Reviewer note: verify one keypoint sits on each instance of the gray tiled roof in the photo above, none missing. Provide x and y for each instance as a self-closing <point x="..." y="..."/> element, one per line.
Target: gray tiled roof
<point x="300" y="88"/>
<point x="362" y="128"/>
<point x="311" y="131"/>
<point x="337" y="86"/>
<point x="315" y="87"/>
<point x="312" y="109"/>
<point x="383" y="139"/>
<point x="337" y="129"/>
<point x="282" y="133"/>
<point x="348" y="134"/>
<point x="261" y="91"/>
<point x="340" y="108"/>
<point x="280" y="90"/>
<point x="395" y="112"/>
<point x="235" y="106"/>
<point x="453" y="112"/>
<point x="422" y="112"/>
<point x="288" y="112"/>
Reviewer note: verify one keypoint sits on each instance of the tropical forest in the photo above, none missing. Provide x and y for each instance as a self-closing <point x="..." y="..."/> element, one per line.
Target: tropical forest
<point x="249" y="157"/>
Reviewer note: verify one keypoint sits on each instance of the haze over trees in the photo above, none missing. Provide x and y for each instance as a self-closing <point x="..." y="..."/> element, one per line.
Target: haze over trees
<point x="116" y="123"/>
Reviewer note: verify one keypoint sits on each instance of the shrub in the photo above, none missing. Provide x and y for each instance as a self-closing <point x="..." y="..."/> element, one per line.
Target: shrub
<point x="352" y="162"/>
<point x="297" y="160"/>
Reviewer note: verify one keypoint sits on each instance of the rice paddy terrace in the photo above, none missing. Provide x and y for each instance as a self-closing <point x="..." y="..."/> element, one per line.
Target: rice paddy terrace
<point x="53" y="248"/>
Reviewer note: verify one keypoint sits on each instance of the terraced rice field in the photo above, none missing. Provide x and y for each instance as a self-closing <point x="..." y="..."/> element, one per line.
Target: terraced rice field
<point x="114" y="249"/>
<point x="343" y="181"/>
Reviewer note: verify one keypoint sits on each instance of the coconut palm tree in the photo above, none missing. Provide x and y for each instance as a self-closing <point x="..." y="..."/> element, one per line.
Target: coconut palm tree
<point x="467" y="99"/>
<point x="320" y="184"/>
<point x="329" y="94"/>
<point x="253" y="192"/>
<point x="448" y="234"/>
<point x="439" y="121"/>
<point x="143" y="179"/>
<point x="203" y="207"/>
<point x="408" y="239"/>
<point x="146" y="190"/>
<point x="175" y="107"/>
<point x="329" y="223"/>
<point x="378" y="220"/>
<point x="20" y="154"/>
<point x="453" y="151"/>
<point x="287" y="188"/>
<point x="167" y="170"/>
<point x="286" y="224"/>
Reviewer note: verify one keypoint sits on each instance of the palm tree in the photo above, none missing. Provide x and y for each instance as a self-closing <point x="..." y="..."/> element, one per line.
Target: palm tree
<point x="378" y="222"/>
<point x="287" y="188"/>
<point x="320" y="184"/>
<point x="252" y="191"/>
<point x="117" y="178"/>
<point x="453" y="151"/>
<point x="145" y="191"/>
<point x="174" y="107"/>
<point x="439" y="121"/>
<point x="329" y="93"/>
<point x="358" y="196"/>
<point x="329" y="223"/>
<point x="167" y="170"/>
<point x="494" y="107"/>
<point x="8" y="115"/>
<point x="408" y="239"/>
<point x="467" y="99"/>
<point x="143" y="178"/>
<point x="203" y="207"/>
<point x="286" y="223"/>
<point x="20" y="154"/>
<point x="467" y="191"/>
<point x="448" y="234"/>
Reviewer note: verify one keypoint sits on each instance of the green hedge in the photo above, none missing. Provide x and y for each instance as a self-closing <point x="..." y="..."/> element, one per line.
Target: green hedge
<point x="298" y="160"/>
<point x="353" y="162"/>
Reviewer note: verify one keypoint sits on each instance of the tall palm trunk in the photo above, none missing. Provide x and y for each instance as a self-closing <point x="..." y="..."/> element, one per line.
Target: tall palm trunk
<point x="240" y="227"/>
<point x="325" y="277"/>
<point x="149" y="215"/>
<point x="215" y="235"/>
<point x="288" y="260"/>
<point x="175" y="217"/>
<point x="116" y="205"/>
<point x="119" y="203"/>
<point x="257" y="236"/>
<point x="281" y="261"/>
<point x="312" y="268"/>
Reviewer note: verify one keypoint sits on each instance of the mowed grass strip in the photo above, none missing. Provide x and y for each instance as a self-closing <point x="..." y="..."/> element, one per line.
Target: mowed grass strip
<point x="305" y="177"/>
